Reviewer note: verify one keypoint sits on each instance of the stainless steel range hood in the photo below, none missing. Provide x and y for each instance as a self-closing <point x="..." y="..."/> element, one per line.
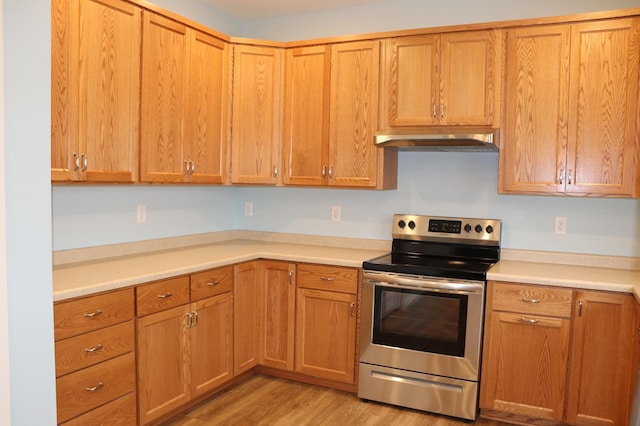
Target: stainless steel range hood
<point x="481" y="139"/>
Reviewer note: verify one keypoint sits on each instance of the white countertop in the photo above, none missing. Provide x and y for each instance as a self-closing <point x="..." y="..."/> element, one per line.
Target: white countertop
<point x="85" y="277"/>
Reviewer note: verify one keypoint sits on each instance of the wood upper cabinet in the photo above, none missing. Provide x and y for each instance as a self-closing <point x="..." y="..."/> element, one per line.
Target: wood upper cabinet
<point x="447" y="79"/>
<point x="246" y="316"/>
<point x="95" y="90"/>
<point x="255" y="139"/>
<point x="306" y="116"/>
<point x="571" y="105"/>
<point x="277" y="324"/>
<point x="601" y="359"/>
<point x="185" y="103"/>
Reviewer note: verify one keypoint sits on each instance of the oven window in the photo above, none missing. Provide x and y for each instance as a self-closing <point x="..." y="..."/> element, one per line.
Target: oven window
<point x="420" y="320"/>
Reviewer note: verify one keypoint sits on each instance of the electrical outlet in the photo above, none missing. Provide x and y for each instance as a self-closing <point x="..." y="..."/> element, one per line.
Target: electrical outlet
<point x="141" y="214"/>
<point x="335" y="213"/>
<point x="248" y="208"/>
<point x="560" y="226"/>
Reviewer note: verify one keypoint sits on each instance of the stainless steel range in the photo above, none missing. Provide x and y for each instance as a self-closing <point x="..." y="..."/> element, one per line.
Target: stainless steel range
<point x="422" y="314"/>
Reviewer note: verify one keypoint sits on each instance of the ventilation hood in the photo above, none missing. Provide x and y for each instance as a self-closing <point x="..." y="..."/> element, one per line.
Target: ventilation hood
<point x="481" y="139"/>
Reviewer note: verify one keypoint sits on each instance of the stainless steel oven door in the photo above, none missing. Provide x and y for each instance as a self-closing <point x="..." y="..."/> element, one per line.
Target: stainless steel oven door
<point x="422" y="324"/>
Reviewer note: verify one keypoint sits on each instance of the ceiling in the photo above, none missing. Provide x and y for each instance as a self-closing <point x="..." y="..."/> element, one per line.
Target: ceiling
<point x="255" y="9"/>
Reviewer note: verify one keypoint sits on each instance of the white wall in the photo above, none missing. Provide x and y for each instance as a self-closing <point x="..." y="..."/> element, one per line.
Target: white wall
<point x="27" y="110"/>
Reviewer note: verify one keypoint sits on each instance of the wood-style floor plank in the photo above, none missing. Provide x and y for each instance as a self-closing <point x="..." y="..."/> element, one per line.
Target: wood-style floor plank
<point x="263" y="400"/>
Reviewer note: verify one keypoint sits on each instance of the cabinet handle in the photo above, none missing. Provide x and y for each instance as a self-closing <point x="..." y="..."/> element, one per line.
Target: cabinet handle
<point x="527" y="300"/>
<point x="570" y="177"/>
<point x="194" y="316"/>
<point x="580" y="305"/>
<point x="528" y="321"/>
<point x="442" y="111"/>
<point x="561" y="176"/>
<point x="330" y="172"/>
<point x="291" y="277"/>
<point x="193" y="167"/>
<point x="95" y="313"/>
<point x="327" y="278"/>
<point x="213" y="282"/>
<point x="99" y="386"/>
<point x="96" y="348"/>
<point x="275" y="171"/>
<point x="186" y="168"/>
<point x="76" y="162"/>
<point x="324" y="171"/>
<point x="352" y="309"/>
<point x="85" y="162"/>
<point x="165" y="296"/>
<point x="189" y="319"/>
<point x="435" y="112"/>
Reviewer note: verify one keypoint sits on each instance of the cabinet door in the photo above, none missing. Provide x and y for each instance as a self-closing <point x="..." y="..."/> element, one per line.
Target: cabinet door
<point x="255" y="139"/>
<point x="306" y="117"/>
<point x="533" y="148"/>
<point x="278" y="295"/>
<point x="410" y="81"/>
<point x="601" y="359"/>
<point x="207" y="108"/>
<point x="246" y="316"/>
<point x="354" y="114"/>
<point x="326" y="335"/>
<point x="95" y="80"/>
<point x="603" y="108"/>
<point x="164" y="60"/>
<point x="469" y="77"/>
<point x="526" y="365"/>
<point x="163" y="360"/>
<point x="211" y="343"/>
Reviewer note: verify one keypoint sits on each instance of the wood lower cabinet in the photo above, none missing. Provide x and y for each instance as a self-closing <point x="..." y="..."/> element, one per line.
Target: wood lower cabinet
<point x="571" y="104"/>
<point x="326" y="321"/>
<point x="558" y="354"/>
<point x="278" y="307"/>
<point x="184" y="351"/>
<point x="246" y="316"/>
<point x="95" y="357"/>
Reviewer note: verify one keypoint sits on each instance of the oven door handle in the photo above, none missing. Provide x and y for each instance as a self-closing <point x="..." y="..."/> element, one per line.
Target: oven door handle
<point x="444" y="286"/>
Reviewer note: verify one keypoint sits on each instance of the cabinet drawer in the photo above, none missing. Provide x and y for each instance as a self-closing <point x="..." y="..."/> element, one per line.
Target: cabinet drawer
<point x="211" y="283"/>
<point x="331" y="278"/>
<point x="162" y="295"/>
<point x="92" y="387"/>
<point x="532" y="299"/>
<point x="92" y="313"/>
<point x="121" y="412"/>
<point x="92" y="348"/>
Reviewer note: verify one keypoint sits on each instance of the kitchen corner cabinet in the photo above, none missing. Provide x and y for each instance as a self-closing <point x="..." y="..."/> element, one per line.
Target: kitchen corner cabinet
<point x="256" y="106"/>
<point x="185" y="103"/>
<point x="278" y="296"/>
<point x="330" y="116"/>
<point x="184" y="349"/>
<point x="446" y="79"/>
<point x="246" y="316"/>
<point x="558" y="354"/>
<point x="571" y="105"/>
<point x="326" y="320"/>
<point x="95" y="77"/>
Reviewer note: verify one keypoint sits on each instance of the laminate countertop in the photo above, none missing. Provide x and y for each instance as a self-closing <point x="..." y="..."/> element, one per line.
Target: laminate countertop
<point x="85" y="277"/>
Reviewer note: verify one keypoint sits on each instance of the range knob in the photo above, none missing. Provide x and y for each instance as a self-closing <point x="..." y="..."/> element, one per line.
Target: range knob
<point x="489" y="229"/>
<point x="467" y="228"/>
<point x="402" y="223"/>
<point x="478" y="229"/>
<point x="412" y="225"/>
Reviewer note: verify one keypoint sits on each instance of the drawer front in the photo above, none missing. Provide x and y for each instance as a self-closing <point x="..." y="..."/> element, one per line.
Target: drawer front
<point x="211" y="283"/>
<point x="92" y="387"/>
<point x="532" y="299"/>
<point x="92" y="313"/>
<point x="330" y="278"/>
<point x="162" y="295"/>
<point x="121" y="412"/>
<point x="92" y="348"/>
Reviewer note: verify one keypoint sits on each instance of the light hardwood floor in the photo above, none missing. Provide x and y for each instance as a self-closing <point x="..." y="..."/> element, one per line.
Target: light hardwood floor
<point x="263" y="400"/>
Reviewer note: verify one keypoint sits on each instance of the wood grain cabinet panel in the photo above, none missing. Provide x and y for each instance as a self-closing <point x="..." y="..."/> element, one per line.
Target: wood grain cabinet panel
<point x="246" y="316"/>
<point x="162" y="295"/>
<point x="211" y="283"/>
<point x="571" y="96"/>
<point x="532" y="299"/>
<point x="121" y="412"/>
<point x="95" y="90"/>
<point x="328" y="278"/>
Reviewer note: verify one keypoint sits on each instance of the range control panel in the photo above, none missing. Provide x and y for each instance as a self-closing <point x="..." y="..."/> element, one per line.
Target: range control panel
<point x="435" y="228"/>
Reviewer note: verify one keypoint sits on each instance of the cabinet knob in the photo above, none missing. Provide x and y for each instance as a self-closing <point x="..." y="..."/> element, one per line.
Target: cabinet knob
<point x="330" y="172"/>
<point x="85" y="162"/>
<point x="324" y="171"/>
<point x="570" y="177"/>
<point x="561" y="176"/>
<point x="275" y="171"/>
<point x="76" y="162"/>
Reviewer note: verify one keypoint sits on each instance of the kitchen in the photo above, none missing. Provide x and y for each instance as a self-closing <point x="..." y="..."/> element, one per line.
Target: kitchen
<point x="88" y="216"/>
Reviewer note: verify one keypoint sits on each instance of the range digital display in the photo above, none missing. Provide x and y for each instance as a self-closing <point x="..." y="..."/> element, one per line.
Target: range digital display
<point x="446" y="226"/>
